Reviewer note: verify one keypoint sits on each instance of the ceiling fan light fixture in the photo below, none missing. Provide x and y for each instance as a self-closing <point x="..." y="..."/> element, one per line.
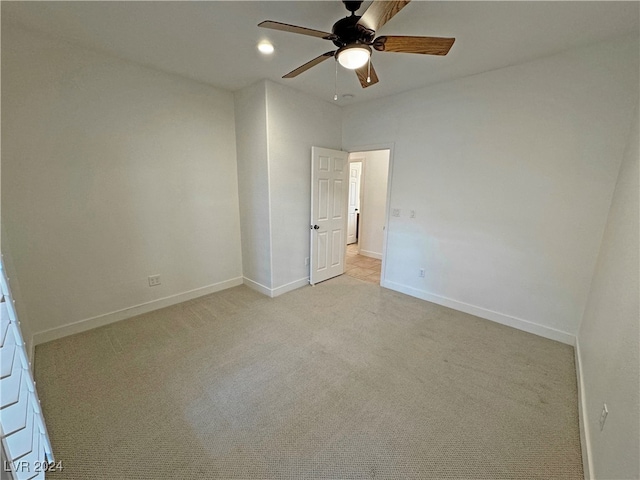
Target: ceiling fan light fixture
<point x="266" y="47"/>
<point x="353" y="56"/>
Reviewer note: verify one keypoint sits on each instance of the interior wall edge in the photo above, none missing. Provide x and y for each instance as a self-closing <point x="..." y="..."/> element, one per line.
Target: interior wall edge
<point x="585" y="437"/>
<point x="594" y="271"/>
<point x="501" y="318"/>
<point x="265" y="85"/>
<point x="125" y="313"/>
<point x="251" y="131"/>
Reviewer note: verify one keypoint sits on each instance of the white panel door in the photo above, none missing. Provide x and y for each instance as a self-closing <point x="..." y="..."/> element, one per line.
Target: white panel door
<point x="25" y="442"/>
<point x="355" y="171"/>
<point x="329" y="191"/>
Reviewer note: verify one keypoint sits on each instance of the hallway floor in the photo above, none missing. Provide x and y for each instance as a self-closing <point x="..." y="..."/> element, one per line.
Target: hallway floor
<point x="361" y="267"/>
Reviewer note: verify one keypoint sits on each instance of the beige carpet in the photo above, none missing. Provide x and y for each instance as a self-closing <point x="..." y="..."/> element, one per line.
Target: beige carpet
<point x="344" y="380"/>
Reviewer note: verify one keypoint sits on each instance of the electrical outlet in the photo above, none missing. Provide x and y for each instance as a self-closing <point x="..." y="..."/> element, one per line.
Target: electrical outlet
<point x="395" y="212"/>
<point x="306" y="261"/>
<point x="154" y="280"/>
<point x="421" y="273"/>
<point x="603" y="415"/>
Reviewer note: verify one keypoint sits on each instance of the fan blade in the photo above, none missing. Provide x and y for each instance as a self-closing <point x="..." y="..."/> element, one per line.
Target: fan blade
<point x="423" y="45"/>
<point x="308" y="65"/>
<point x="285" y="27"/>
<point x="380" y="12"/>
<point x="363" y="72"/>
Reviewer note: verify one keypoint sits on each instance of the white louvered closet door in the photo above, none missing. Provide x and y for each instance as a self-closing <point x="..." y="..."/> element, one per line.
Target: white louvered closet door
<point x="25" y="441"/>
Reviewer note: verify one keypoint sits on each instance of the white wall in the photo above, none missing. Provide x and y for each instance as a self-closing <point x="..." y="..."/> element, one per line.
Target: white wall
<point x="375" y="173"/>
<point x="511" y="173"/>
<point x="253" y="185"/>
<point x="296" y="122"/>
<point x="112" y="172"/>
<point x="276" y="128"/>
<point x="609" y="335"/>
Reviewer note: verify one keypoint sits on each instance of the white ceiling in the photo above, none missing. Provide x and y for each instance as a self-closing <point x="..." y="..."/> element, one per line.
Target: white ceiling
<point x="215" y="41"/>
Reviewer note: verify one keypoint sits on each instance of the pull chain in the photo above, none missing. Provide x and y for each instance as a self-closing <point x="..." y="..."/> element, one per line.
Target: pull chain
<point x="369" y="71"/>
<point x="335" y="84"/>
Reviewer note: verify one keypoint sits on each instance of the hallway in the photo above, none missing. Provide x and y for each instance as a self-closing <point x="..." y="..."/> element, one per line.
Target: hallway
<point x="361" y="267"/>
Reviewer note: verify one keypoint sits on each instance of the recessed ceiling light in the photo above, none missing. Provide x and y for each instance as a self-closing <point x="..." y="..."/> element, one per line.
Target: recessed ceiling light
<point x="265" y="47"/>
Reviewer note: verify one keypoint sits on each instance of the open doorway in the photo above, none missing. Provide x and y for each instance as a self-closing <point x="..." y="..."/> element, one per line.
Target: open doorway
<point x="368" y="186"/>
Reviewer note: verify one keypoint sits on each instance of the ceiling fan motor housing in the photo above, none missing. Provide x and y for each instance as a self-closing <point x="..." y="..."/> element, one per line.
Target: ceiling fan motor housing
<point x="352" y="6"/>
<point x="348" y="31"/>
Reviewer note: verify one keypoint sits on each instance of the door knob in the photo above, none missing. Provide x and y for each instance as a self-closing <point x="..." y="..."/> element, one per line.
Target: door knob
<point x="315" y="227"/>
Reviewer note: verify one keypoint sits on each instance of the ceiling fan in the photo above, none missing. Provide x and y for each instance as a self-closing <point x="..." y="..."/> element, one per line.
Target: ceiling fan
<point x="354" y="36"/>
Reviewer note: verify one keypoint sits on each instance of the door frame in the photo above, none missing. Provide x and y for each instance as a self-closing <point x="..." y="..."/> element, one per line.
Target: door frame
<point x="387" y="214"/>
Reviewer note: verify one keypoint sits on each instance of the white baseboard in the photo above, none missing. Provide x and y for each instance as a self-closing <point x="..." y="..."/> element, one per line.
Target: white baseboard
<point x="258" y="287"/>
<point x="107" y="318"/>
<point x="520" y="324"/>
<point x="275" y="292"/>
<point x="290" y="286"/>
<point x="585" y="438"/>
<point x="367" y="253"/>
